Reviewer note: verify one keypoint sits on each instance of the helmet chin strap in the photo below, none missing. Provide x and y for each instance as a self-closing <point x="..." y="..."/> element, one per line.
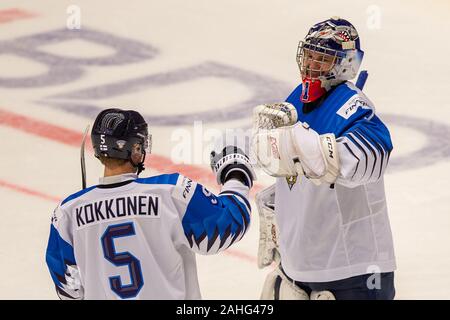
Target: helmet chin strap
<point x="140" y="166"/>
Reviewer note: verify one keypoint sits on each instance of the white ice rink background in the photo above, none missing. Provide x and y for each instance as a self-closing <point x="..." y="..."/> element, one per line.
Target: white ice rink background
<point x="183" y="61"/>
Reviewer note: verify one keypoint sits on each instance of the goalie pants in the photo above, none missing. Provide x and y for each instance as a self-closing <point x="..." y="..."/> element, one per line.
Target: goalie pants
<point x="361" y="287"/>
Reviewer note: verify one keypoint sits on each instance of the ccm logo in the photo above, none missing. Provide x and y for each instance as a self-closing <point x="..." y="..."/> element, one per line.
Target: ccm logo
<point x="187" y="189"/>
<point x="330" y="147"/>
<point x="273" y="145"/>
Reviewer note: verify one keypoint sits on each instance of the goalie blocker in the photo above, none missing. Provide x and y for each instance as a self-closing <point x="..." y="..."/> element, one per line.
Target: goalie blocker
<point x="294" y="149"/>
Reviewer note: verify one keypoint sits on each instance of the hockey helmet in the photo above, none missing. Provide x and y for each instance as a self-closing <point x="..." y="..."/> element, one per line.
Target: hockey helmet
<point x="329" y="54"/>
<point x="116" y="132"/>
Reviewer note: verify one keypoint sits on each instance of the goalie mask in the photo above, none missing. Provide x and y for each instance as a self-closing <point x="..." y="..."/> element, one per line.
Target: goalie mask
<point x="119" y="134"/>
<point x="329" y="55"/>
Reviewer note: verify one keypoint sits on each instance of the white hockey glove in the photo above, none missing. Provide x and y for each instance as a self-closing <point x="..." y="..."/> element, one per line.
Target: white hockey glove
<point x="232" y="162"/>
<point x="264" y="148"/>
<point x="275" y="115"/>
<point x="268" y="229"/>
<point x="298" y="150"/>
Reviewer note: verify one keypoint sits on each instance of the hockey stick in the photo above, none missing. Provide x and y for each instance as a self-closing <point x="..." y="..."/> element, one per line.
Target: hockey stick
<point x="83" y="163"/>
<point x="361" y="81"/>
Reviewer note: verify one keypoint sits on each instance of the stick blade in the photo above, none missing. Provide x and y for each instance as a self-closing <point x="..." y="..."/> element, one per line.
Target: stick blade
<point x="82" y="158"/>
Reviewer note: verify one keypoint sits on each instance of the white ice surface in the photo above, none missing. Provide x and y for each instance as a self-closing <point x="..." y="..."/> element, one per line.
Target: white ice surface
<point x="407" y="58"/>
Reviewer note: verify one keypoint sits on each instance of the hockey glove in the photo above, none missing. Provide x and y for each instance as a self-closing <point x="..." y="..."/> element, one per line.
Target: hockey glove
<point x="232" y="162"/>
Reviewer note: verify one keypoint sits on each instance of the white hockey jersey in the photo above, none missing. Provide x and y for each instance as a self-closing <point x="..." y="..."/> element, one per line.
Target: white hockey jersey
<point x="135" y="238"/>
<point x="329" y="233"/>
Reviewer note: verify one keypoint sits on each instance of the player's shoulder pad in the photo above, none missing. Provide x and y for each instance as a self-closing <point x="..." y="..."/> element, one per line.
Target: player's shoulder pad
<point x="77" y="195"/>
<point x="356" y="103"/>
<point x="184" y="189"/>
<point x="168" y="178"/>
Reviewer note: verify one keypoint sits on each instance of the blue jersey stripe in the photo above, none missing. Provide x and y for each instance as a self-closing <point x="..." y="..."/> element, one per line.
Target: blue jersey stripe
<point x="237" y="194"/>
<point x="59" y="254"/>
<point x="370" y="147"/>
<point x="244" y="213"/>
<point x="161" y="179"/>
<point x="351" y="152"/>
<point x="372" y="131"/>
<point x="78" y="194"/>
<point x="349" y="136"/>
<point x="214" y="220"/>
<point x="382" y="160"/>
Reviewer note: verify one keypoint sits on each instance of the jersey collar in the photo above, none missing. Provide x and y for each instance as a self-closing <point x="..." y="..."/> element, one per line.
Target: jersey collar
<point x="118" y="179"/>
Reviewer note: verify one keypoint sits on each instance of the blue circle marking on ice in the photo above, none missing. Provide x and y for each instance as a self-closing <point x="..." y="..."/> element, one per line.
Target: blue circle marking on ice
<point x="264" y="89"/>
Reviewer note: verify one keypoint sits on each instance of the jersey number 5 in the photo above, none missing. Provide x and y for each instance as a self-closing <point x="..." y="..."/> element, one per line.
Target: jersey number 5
<point x="122" y="259"/>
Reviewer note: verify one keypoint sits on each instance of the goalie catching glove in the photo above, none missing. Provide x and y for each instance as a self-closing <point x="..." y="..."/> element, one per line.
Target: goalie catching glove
<point x="232" y="162"/>
<point x="297" y="150"/>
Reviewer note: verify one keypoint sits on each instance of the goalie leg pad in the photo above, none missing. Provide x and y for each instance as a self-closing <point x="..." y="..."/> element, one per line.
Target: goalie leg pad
<point x="278" y="287"/>
<point x="268" y="229"/>
<point x="322" y="295"/>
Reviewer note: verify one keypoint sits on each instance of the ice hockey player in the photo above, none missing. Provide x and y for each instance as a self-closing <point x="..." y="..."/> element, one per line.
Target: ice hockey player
<point x="327" y="208"/>
<point x="136" y="238"/>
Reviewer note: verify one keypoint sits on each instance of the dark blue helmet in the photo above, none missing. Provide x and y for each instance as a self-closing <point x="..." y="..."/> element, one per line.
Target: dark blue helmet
<point x="116" y="132"/>
<point x="335" y="33"/>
